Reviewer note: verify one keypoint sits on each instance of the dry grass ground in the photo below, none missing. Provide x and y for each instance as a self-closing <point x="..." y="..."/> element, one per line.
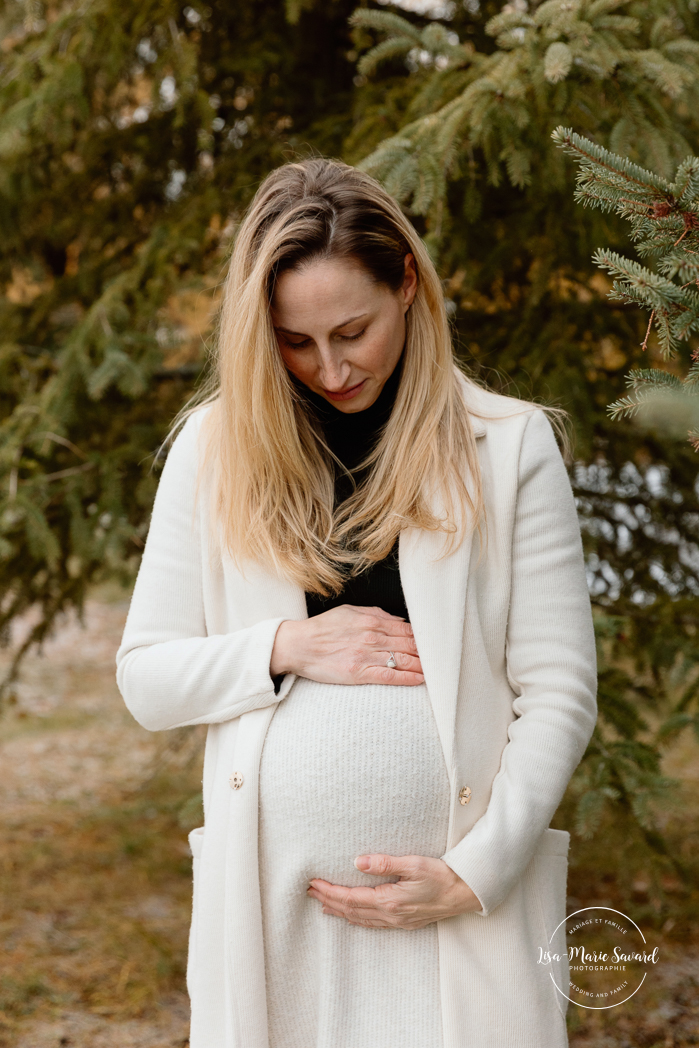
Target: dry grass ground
<point x="94" y="864"/>
<point x="95" y="870"/>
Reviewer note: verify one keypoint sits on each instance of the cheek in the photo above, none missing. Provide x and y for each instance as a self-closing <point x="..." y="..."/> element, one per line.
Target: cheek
<point x="300" y="365"/>
<point x="381" y="352"/>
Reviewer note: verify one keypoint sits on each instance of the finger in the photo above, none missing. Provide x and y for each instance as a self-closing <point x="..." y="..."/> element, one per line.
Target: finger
<point x="368" y="918"/>
<point x="402" y="659"/>
<point x="397" y="623"/>
<point x="378" y="918"/>
<point x="385" y="675"/>
<point x="341" y="897"/>
<point x="377" y="640"/>
<point x="332" y="909"/>
<point x="372" y="911"/>
<point x="363" y="913"/>
<point x="402" y="628"/>
<point x="380" y="911"/>
<point x="367" y="924"/>
<point x="405" y="644"/>
<point x="330" y="912"/>
<point x="353" y="908"/>
<point x="381" y="612"/>
<point x="398" y="627"/>
<point x="383" y="865"/>
<point x="349" y="904"/>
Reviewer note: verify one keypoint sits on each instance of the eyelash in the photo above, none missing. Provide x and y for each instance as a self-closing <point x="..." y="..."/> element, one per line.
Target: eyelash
<point x="345" y="338"/>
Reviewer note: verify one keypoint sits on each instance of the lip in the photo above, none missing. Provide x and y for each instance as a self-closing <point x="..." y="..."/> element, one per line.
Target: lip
<point x="346" y="394"/>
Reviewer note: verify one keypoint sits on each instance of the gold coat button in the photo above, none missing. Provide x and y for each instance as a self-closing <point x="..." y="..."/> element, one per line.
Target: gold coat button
<point x="465" y="794"/>
<point x="236" y="780"/>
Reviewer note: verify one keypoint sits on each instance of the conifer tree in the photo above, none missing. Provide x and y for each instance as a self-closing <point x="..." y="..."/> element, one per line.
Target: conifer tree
<point x="586" y="57"/>
<point x="132" y="136"/>
<point x="456" y="120"/>
<point x="664" y="219"/>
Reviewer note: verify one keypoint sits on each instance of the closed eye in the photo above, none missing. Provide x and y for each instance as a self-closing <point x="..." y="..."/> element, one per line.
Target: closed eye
<point x="352" y="338"/>
<point x="297" y="345"/>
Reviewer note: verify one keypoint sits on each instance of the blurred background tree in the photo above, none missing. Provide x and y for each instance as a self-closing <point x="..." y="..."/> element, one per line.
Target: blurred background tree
<point x="133" y="135"/>
<point x="456" y="119"/>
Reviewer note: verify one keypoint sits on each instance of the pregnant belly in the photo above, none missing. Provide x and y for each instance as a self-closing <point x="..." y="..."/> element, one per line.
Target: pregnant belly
<point x="347" y="771"/>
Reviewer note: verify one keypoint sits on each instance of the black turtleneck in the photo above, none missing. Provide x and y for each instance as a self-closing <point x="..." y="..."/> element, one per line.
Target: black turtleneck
<point x="351" y="436"/>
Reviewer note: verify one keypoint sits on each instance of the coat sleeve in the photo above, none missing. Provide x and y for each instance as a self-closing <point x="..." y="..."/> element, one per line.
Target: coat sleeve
<point x="551" y="666"/>
<point x="170" y="672"/>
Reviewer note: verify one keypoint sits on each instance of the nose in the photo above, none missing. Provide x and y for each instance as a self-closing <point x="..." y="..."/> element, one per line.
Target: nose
<point x="334" y="371"/>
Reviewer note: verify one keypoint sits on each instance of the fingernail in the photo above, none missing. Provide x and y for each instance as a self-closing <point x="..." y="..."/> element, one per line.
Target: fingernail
<point x="362" y="862"/>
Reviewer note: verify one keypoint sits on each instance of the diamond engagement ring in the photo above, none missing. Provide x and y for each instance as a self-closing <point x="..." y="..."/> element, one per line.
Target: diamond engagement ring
<point x="391" y="661"/>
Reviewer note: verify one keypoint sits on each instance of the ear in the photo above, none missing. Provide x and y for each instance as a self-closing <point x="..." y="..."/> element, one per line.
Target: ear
<point x="409" y="288"/>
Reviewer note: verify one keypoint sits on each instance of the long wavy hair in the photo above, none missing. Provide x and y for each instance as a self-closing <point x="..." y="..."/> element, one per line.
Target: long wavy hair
<point x="271" y="471"/>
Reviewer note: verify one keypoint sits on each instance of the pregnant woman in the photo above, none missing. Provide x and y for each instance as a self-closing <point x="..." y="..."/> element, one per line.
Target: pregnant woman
<point x="364" y="573"/>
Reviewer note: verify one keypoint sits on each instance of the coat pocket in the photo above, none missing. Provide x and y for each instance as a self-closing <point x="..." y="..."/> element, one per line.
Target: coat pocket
<point x="551" y="865"/>
<point x="196" y="843"/>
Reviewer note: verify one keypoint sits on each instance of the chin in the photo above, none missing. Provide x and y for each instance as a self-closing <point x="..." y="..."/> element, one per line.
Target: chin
<point x="352" y="406"/>
<point x="348" y="407"/>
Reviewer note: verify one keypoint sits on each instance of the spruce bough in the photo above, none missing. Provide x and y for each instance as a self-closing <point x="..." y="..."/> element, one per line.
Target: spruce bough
<point x="664" y="220"/>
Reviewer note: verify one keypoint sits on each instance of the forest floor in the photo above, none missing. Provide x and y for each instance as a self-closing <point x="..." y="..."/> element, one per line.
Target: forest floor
<point x="95" y="869"/>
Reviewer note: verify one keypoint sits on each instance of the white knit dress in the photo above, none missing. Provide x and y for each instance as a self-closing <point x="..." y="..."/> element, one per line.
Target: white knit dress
<point x="346" y="771"/>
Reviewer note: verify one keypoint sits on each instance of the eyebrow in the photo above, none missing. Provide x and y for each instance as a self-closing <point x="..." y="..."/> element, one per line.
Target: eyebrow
<point x="301" y="334"/>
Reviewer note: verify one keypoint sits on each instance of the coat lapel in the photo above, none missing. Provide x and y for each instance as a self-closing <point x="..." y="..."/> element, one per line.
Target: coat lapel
<point x="434" y="587"/>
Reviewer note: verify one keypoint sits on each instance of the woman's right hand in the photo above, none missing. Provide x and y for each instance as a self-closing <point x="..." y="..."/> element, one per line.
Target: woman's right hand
<point x="348" y="645"/>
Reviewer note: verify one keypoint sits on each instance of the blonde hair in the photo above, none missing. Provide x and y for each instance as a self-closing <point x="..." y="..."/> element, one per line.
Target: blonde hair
<point x="272" y="472"/>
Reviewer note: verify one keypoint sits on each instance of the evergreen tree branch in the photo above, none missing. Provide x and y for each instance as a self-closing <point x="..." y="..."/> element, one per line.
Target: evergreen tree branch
<point x="658" y="210"/>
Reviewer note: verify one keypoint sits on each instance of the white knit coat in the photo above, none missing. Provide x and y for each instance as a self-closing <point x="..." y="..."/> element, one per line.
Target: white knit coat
<point x="504" y="632"/>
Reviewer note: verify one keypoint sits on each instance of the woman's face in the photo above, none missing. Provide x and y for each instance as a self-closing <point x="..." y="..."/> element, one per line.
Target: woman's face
<point x="339" y="332"/>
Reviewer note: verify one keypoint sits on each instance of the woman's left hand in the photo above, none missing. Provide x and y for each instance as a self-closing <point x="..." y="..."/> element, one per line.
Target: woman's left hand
<point x="428" y="891"/>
